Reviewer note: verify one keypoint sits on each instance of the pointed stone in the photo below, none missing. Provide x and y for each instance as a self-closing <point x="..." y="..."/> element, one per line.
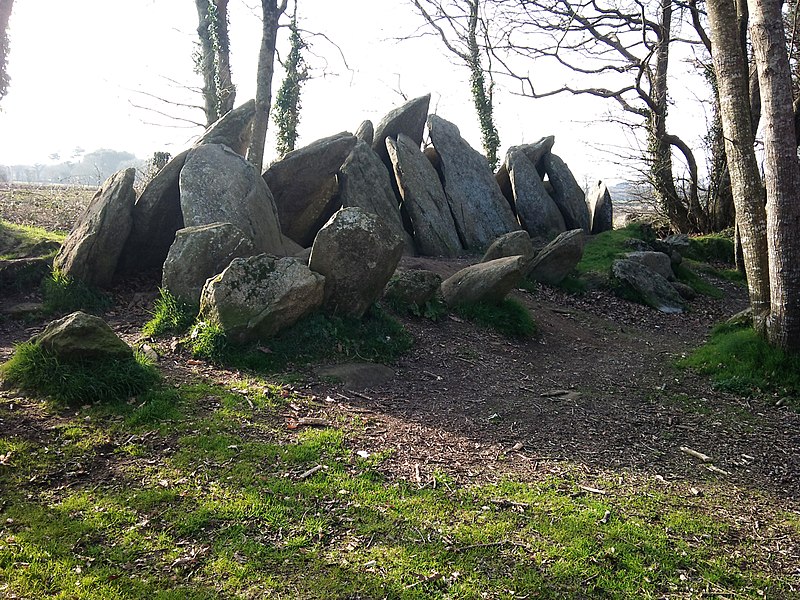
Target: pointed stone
<point x="536" y="210"/>
<point x="408" y="119"/>
<point x="534" y="153"/>
<point x="601" y="209"/>
<point x="366" y="132"/>
<point x="567" y="194"/>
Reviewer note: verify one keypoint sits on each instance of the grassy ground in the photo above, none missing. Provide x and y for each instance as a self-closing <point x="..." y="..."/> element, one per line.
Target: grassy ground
<point x="206" y="492"/>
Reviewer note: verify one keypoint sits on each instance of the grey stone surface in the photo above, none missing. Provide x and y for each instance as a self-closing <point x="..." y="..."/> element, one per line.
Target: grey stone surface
<point x="217" y="185"/>
<point x="480" y="210"/>
<point x="657" y="261"/>
<point x="408" y="119"/>
<point x="82" y="336"/>
<point x="536" y="210"/>
<point x="516" y="243"/>
<point x="533" y="152"/>
<point x="558" y="259"/>
<point x="92" y="250"/>
<point x="601" y="208"/>
<point x="357" y="252"/>
<point x="365" y="183"/>
<point x="366" y="132"/>
<point x="304" y="185"/>
<point x="413" y="287"/>
<point x="484" y="282"/>
<point x="648" y="285"/>
<point x="199" y="253"/>
<point x="568" y="195"/>
<point x="258" y="296"/>
<point x="234" y="129"/>
<point x="423" y="200"/>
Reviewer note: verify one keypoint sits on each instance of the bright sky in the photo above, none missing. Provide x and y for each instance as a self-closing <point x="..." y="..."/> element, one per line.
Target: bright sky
<point x="78" y="69"/>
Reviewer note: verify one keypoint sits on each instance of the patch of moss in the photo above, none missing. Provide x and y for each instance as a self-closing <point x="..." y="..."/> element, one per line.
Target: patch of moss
<point x="509" y="317"/>
<point x="715" y="247"/>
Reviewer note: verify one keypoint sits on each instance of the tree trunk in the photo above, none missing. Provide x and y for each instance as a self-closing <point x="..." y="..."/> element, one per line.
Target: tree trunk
<point x="730" y="66"/>
<point x="225" y="88"/>
<point x="481" y="95"/>
<point x="206" y="61"/>
<point x="271" y="12"/>
<point x="5" y="15"/>
<point x="782" y="172"/>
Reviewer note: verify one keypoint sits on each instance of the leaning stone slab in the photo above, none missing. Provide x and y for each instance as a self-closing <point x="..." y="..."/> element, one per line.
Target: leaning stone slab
<point x="217" y="185"/>
<point x="366" y="132"/>
<point x="408" y="119"/>
<point x="423" y="199"/>
<point x="91" y="251"/>
<point x="234" y="129"/>
<point x="651" y="287"/>
<point x="484" y="282"/>
<point x="199" y="253"/>
<point x="516" y="243"/>
<point x="304" y="185"/>
<point x="558" y="259"/>
<point x="480" y="211"/>
<point x="568" y="195"/>
<point x="601" y="208"/>
<point x="82" y="336"/>
<point x="537" y="212"/>
<point x="364" y="182"/>
<point x="533" y="152"/>
<point x="357" y="252"/>
<point x="256" y="297"/>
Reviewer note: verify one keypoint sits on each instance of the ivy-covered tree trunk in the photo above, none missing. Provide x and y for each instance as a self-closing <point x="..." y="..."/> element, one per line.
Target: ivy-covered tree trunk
<point x="213" y="58"/>
<point x="5" y="15"/>
<point x="782" y="172"/>
<point x="287" y="100"/>
<point x="731" y="70"/>
<point x="270" y="13"/>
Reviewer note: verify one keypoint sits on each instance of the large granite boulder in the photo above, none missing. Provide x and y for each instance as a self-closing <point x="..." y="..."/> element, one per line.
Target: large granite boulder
<point x="601" y="208"/>
<point x="657" y="261"/>
<point x="423" y="199"/>
<point x="199" y="253"/>
<point x="256" y="297"/>
<point x="91" y="251"/>
<point x="558" y="259"/>
<point x="408" y="119"/>
<point x="414" y="287"/>
<point x="484" y="282"/>
<point x="217" y="185"/>
<point x="516" y="243"/>
<point x="480" y="211"/>
<point x="305" y="187"/>
<point x="80" y="336"/>
<point x="648" y="285"/>
<point x="536" y="210"/>
<point x="533" y="152"/>
<point x="357" y="252"/>
<point x="568" y="195"/>
<point x="364" y="182"/>
<point x="234" y="129"/>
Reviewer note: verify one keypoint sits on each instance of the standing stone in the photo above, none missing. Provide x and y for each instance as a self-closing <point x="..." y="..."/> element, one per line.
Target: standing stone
<point x="304" y="185"/>
<point x="366" y="132"/>
<point x="484" y="282"/>
<point x="256" y="297"/>
<point x="365" y="183"/>
<point x="91" y="251"/>
<point x="217" y="185"/>
<point x="480" y="211"/>
<point x="234" y="129"/>
<point x="357" y="252"/>
<point x="601" y="208"/>
<point x="199" y="253"/>
<point x="536" y="210"/>
<point x="423" y="199"/>
<point x="408" y="119"/>
<point x="568" y="195"/>
<point x="558" y="259"/>
<point x="534" y="153"/>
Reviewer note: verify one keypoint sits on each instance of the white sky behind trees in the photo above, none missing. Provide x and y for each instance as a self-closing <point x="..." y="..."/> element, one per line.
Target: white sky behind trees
<point x="80" y="70"/>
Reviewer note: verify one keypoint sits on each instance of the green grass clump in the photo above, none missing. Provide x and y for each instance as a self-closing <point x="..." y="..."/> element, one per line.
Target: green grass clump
<point x="81" y="381"/>
<point x="714" y="247"/>
<point x="170" y="315"/>
<point x="686" y="275"/>
<point x="375" y="337"/>
<point x="64" y="294"/>
<point x="434" y="310"/>
<point x="603" y="249"/>
<point x="23" y="241"/>
<point x="509" y="317"/>
<point x="740" y="361"/>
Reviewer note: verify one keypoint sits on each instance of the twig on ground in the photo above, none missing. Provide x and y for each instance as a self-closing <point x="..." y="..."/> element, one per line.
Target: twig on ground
<point x="696" y="454"/>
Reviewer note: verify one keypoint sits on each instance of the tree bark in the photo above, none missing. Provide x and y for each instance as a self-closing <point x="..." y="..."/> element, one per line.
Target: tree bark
<point x="5" y="16"/>
<point x="782" y="172"/>
<point x="271" y="12"/>
<point x="731" y="70"/>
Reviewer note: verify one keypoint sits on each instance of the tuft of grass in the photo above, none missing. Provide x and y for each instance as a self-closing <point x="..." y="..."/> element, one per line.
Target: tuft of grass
<point x="375" y="337"/>
<point x="170" y="315"/>
<point x="603" y="249"/>
<point x="509" y="317"/>
<point x="685" y="274"/>
<point x="80" y="381"/>
<point x="433" y="310"/>
<point x="738" y="360"/>
<point x="64" y="294"/>
<point x="24" y="241"/>
<point x="715" y="247"/>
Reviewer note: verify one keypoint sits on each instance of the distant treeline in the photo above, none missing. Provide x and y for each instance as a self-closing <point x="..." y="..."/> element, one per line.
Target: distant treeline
<point x="90" y="168"/>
